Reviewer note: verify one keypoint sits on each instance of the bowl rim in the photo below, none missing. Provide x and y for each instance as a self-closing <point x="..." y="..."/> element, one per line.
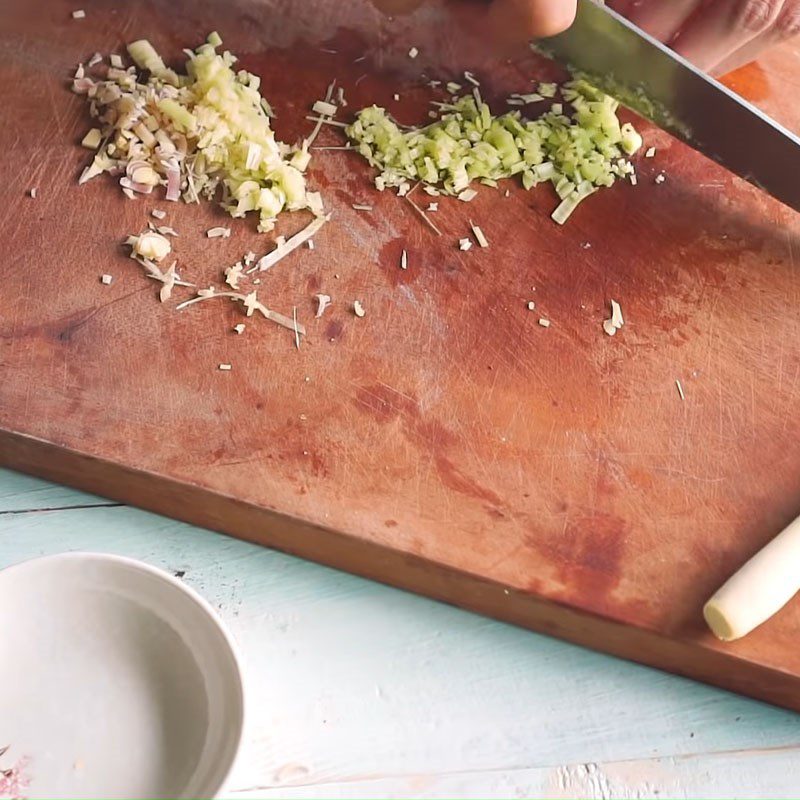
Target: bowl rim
<point x="210" y="614"/>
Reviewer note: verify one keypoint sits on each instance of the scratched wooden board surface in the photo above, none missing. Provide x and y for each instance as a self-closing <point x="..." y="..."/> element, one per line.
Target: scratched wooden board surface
<point x="445" y="443"/>
<point x="356" y="690"/>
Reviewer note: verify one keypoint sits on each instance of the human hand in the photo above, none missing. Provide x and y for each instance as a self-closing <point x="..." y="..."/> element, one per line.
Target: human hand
<point x="716" y="35"/>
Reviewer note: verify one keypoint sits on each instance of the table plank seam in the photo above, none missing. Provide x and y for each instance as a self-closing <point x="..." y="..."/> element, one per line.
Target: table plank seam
<point x="9" y="512"/>
<point x="675" y="757"/>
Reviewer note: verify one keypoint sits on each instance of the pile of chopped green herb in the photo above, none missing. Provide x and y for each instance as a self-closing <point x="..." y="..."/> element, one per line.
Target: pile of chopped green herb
<point x="578" y="150"/>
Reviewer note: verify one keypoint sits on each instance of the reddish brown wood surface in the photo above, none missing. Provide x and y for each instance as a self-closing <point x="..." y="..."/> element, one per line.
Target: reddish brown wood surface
<point x="445" y="443"/>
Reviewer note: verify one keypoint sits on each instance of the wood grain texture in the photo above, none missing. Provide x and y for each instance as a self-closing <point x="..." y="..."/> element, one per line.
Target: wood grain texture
<point x="445" y="443"/>
<point x="358" y="690"/>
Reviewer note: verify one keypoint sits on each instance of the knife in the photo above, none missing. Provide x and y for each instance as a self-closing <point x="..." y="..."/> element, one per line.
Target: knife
<point x="662" y="86"/>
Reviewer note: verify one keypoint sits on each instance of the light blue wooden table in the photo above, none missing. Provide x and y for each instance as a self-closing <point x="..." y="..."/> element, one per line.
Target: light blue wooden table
<point x="356" y="690"/>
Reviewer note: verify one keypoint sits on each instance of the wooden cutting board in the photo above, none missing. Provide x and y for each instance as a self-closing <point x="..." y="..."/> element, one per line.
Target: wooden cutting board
<point x="445" y="443"/>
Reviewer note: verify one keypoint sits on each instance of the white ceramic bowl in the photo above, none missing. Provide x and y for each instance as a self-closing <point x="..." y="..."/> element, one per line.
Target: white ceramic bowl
<point x="116" y="680"/>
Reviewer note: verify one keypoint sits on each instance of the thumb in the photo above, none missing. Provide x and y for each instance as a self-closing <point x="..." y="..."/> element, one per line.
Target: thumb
<point x="531" y="19"/>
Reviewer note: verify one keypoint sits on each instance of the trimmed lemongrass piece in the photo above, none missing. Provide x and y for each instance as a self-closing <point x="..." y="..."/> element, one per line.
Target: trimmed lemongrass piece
<point x="758" y="590"/>
<point x="218" y="233"/>
<point x="165" y="230"/>
<point x="168" y="279"/>
<point x="631" y="140"/>
<point x="361" y="207"/>
<point x="323" y="301"/>
<point x="158" y="213"/>
<point x="33" y="192"/>
<point x="296" y="332"/>
<point x="233" y="275"/>
<point x="214" y="39"/>
<point x="530" y="97"/>
<point x="572" y="201"/>
<point x="453" y="87"/>
<point x="464" y="244"/>
<point x="116" y="61"/>
<point x="149" y="245"/>
<point x="145" y="176"/>
<point x="531" y="305"/>
<point x="145" y="56"/>
<point x="239" y="328"/>
<point x="396" y="97"/>
<point x="413" y="52"/>
<point x="95" y="59"/>
<point x="471" y="78"/>
<point x="310" y="244"/>
<point x="92" y="139"/>
<point x="424" y="216"/>
<point x="325" y="109"/>
<point x="106" y="279"/>
<point x="326" y="121"/>
<point x="547" y="89"/>
<point x="609" y="327"/>
<point x="79" y="14"/>
<point x="468" y="195"/>
<point x="283" y="250"/>
<point x="650" y="152"/>
<point x="545" y="323"/>
<point x="558" y="108"/>
<point x="358" y="309"/>
<point x="404" y="260"/>
<point x="251" y="305"/>
<point x="616" y="315"/>
<point x="432" y="207"/>
<point x="225" y="367"/>
<point x="679" y="386"/>
<point x="660" y="178"/>
<point x="480" y="238"/>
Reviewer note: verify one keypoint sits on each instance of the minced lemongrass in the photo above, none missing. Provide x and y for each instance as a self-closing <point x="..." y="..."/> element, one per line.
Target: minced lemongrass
<point x="92" y="139"/>
<point x="196" y="133"/>
<point x="577" y="152"/>
<point x="323" y="108"/>
<point x="479" y="235"/>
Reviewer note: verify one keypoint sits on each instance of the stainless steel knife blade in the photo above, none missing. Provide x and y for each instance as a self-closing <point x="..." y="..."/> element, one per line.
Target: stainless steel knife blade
<point x="657" y="83"/>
